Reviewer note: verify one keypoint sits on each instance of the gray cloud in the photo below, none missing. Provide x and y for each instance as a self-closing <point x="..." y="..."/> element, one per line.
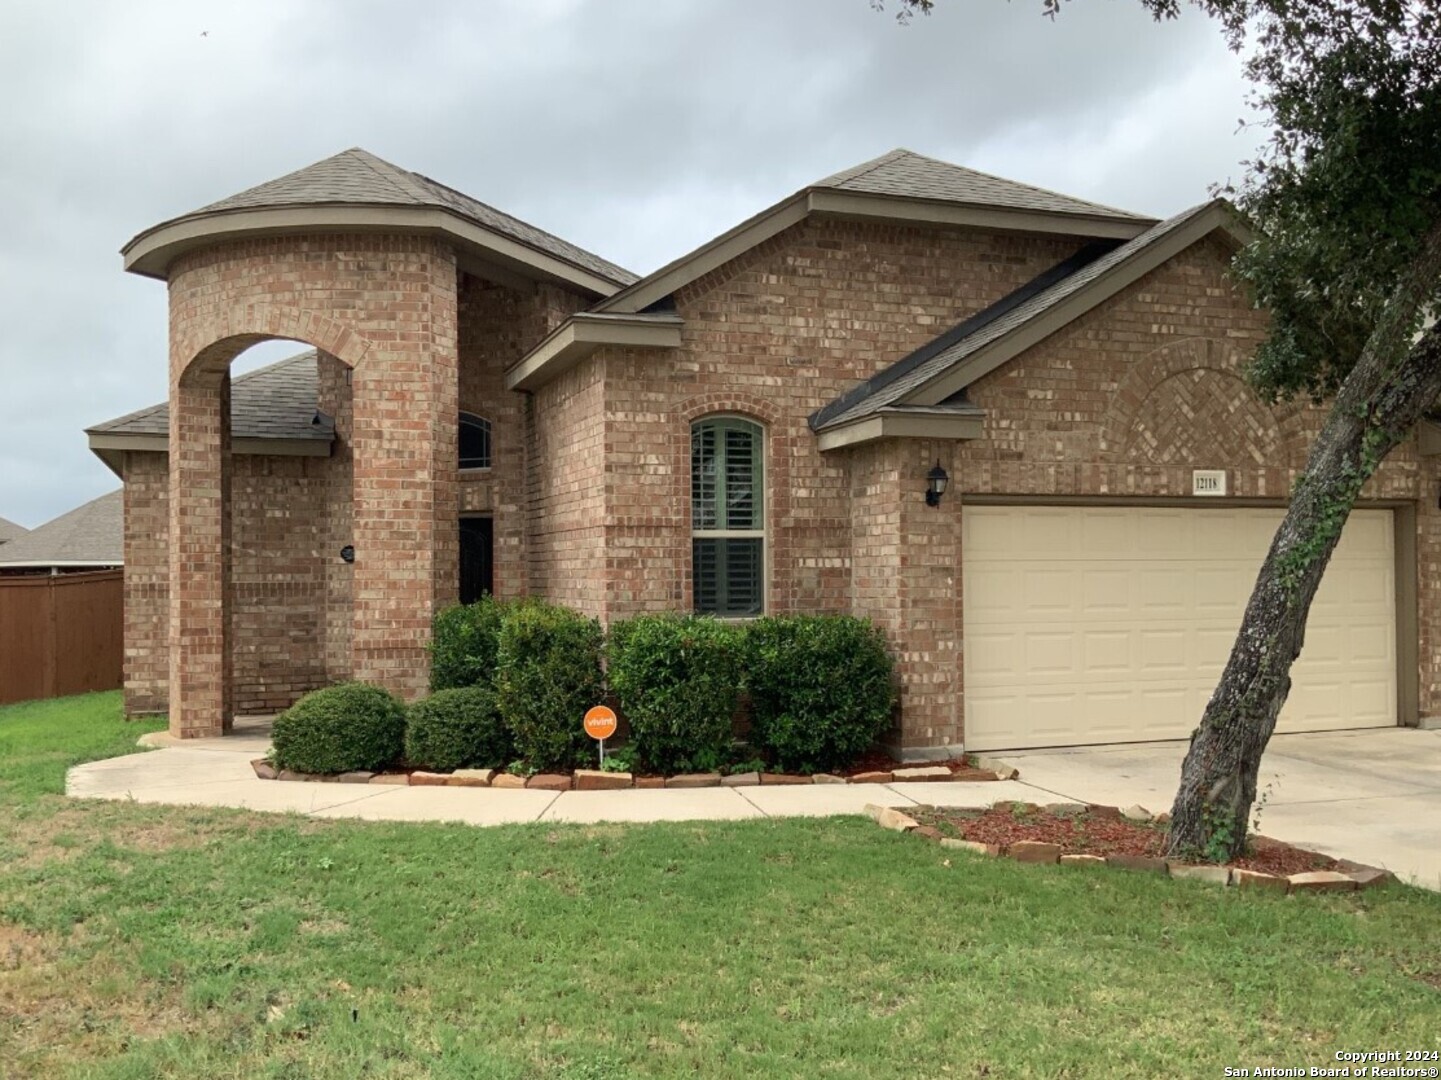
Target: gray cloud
<point x="638" y="130"/>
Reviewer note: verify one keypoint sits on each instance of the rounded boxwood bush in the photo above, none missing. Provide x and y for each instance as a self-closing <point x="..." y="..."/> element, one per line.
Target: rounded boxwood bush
<point x="548" y="673"/>
<point x="677" y="678"/>
<point x="344" y="728"/>
<point x="821" y="688"/>
<point x="457" y="729"/>
<point x="463" y="643"/>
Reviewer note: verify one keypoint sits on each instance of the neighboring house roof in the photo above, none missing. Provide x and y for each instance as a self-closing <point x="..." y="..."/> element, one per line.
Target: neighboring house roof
<point x="899" y="186"/>
<point x="89" y="535"/>
<point x="352" y="179"/>
<point x="10" y="531"/>
<point x="942" y="369"/>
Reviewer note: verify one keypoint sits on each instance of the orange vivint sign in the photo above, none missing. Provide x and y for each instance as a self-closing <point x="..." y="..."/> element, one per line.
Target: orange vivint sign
<point x="600" y="722"/>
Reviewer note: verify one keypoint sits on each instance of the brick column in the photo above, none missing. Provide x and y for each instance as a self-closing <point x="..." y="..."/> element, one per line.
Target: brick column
<point x="404" y="402"/>
<point x="906" y="577"/>
<point x="200" y="690"/>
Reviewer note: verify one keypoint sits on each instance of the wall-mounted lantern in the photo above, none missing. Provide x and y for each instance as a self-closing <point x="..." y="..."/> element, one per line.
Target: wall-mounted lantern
<point x="936" y="481"/>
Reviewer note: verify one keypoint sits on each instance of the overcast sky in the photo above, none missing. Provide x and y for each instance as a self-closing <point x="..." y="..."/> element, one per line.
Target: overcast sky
<point x="637" y="130"/>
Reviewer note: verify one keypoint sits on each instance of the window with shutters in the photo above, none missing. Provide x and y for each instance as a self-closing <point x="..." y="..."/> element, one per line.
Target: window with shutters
<point x="474" y="442"/>
<point x="727" y="517"/>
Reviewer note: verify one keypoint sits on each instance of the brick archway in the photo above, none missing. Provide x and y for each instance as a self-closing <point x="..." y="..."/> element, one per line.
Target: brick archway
<point x="385" y="307"/>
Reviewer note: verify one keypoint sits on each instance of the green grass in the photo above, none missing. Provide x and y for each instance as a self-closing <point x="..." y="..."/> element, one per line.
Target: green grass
<point x="148" y="942"/>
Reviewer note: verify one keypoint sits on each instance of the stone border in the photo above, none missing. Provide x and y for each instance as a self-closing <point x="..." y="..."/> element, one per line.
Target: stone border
<point x="1351" y="877"/>
<point x="597" y="780"/>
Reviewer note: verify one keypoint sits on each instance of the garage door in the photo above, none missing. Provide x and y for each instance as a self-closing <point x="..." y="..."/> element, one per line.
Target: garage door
<point x="1112" y="624"/>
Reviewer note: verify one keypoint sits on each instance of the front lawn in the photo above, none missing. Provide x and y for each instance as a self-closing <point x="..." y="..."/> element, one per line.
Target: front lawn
<point x="144" y="942"/>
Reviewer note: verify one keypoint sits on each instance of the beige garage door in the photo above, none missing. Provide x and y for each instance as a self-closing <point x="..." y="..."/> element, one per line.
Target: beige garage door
<point x="1112" y="624"/>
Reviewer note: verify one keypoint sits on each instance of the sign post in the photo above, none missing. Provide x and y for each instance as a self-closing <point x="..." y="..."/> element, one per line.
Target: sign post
<point x="600" y="725"/>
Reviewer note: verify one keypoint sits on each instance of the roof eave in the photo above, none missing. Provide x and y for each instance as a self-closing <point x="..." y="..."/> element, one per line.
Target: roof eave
<point x="36" y="564"/>
<point x="582" y="334"/>
<point x="830" y="202"/>
<point x="903" y="424"/>
<point x="858" y="206"/>
<point x="108" y="445"/>
<point x="152" y="252"/>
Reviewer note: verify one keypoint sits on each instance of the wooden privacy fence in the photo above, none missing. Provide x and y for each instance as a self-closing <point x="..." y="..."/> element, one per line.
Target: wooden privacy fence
<point x="60" y="634"/>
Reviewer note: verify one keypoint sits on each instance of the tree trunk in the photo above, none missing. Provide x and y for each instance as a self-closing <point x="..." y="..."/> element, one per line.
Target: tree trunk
<point x="1392" y="385"/>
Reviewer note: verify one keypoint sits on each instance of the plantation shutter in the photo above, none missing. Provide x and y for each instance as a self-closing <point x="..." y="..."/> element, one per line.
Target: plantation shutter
<point x="728" y="547"/>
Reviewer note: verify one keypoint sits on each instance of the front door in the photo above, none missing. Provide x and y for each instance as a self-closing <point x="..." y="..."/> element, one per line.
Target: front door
<point x="477" y="564"/>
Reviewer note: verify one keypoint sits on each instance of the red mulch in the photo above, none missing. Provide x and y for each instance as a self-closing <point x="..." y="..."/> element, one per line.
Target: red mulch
<point x="1095" y="834"/>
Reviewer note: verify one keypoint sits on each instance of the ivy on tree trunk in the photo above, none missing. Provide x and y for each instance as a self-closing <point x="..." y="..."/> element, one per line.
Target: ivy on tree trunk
<point x="1391" y="387"/>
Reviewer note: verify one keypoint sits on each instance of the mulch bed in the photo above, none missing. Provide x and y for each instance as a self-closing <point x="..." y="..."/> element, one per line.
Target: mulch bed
<point x="1099" y="834"/>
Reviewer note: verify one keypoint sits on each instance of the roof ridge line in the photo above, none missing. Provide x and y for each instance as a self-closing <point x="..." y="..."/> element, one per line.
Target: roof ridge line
<point x="369" y="160"/>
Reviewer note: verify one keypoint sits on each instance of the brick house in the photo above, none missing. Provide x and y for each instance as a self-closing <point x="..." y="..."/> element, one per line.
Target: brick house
<point x="758" y="426"/>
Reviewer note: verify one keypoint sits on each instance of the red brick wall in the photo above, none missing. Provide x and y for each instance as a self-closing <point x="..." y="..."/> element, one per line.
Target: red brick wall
<point x="498" y="326"/>
<point x="278" y="620"/>
<point x="774" y="335"/>
<point x="566" y="496"/>
<point x="147" y="582"/>
<point x="385" y="306"/>
<point x="334" y="398"/>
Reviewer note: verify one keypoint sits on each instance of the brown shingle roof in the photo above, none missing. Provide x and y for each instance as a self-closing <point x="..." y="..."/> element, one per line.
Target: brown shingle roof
<point x="357" y="177"/>
<point x="92" y="534"/>
<point x="906" y="174"/>
<point x="274" y="402"/>
<point x="10" y="531"/>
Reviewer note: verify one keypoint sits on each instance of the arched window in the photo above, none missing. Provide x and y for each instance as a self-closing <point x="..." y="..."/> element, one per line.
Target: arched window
<point x="474" y="442"/>
<point x="727" y="516"/>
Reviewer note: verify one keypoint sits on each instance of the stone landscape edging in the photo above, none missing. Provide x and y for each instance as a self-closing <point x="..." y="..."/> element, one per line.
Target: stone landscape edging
<point x="1353" y="876"/>
<point x="598" y="780"/>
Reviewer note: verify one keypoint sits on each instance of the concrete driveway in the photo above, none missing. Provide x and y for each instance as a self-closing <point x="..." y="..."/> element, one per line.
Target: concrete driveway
<point x="1372" y="796"/>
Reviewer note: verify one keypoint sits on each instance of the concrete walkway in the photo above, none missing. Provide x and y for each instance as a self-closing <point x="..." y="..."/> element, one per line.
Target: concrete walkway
<point x="1372" y="796"/>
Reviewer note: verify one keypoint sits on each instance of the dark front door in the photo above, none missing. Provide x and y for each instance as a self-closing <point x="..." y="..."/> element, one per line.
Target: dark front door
<point x="477" y="565"/>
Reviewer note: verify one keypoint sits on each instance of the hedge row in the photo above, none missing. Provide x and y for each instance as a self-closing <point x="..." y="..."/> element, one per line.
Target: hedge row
<point x="512" y="679"/>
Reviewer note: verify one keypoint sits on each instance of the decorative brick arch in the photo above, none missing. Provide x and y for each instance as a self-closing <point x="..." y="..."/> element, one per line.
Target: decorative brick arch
<point x="233" y="330"/>
<point x="1188" y="396"/>
<point x="736" y="403"/>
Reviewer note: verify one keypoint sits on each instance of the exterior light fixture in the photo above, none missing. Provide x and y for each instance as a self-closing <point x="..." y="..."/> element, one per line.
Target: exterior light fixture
<point x="936" y="481"/>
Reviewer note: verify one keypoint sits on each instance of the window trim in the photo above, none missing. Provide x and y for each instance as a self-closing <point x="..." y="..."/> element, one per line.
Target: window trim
<point x="721" y="422"/>
<point x="475" y="420"/>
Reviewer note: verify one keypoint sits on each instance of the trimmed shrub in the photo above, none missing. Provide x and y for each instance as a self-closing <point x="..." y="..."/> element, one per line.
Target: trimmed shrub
<point x="463" y="643"/>
<point x="820" y="686"/>
<point x="677" y="678"/>
<point x="458" y="728"/>
<point x="343" y="728"/>
<point x="548" y="673"/>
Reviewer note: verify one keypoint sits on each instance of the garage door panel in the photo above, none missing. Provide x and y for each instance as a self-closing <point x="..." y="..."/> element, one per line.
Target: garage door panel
<point x="1106" y="624"/>
<point x="1107" y="652"/>
<point x="1164" y="593"/>
<point x="1105" y="590"/>
<point x="1051" y="653"/>
<point x="1049" y="593"/>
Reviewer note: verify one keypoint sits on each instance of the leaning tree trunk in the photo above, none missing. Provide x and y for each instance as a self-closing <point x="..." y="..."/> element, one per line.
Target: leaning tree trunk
<point x="1392" y="385"/>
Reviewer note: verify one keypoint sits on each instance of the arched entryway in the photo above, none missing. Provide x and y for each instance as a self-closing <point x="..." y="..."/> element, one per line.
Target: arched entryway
<point x="398" y="345"/>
